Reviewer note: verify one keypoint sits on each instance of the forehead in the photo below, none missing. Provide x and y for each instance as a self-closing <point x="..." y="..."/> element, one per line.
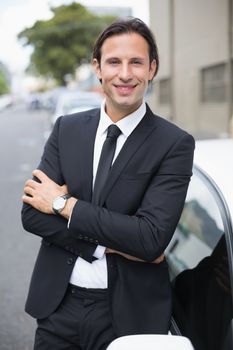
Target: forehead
<point x="130" y="44"/>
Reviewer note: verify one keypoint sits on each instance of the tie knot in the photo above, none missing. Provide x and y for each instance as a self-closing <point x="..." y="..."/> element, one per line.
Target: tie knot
<point x="113" y="131"/>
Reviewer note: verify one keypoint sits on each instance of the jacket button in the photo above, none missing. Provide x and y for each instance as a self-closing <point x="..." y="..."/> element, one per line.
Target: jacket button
<point x="70" y="261"/>
<point x="80" y="236"/>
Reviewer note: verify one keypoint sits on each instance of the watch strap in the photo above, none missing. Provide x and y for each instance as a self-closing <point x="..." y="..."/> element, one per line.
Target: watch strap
<point x="66" y="196"/>
<point x="57" y="211"/>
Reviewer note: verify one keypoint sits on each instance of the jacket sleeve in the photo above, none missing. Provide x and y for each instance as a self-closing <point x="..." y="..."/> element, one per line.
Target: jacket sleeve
<point x="54" y="228"/>
<point x="147" y="233"/>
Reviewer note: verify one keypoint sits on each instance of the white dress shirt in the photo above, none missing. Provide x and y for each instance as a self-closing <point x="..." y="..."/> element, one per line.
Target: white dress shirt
<point x="94" y="275"/>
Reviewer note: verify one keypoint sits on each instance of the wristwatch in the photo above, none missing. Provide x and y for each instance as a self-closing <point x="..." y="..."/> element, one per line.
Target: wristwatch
<point x="59" y="203"/>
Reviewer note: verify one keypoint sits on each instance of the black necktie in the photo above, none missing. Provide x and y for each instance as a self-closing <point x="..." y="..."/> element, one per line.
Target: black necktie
<point x="105" y="161"/>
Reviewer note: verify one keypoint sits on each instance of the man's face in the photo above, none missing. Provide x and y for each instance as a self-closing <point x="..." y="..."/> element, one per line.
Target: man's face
<point x="125" y="70"/>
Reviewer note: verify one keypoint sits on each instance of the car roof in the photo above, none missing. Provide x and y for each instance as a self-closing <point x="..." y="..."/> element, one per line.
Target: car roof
<point x="87" y="99"/>
<point x="215" y="157"/>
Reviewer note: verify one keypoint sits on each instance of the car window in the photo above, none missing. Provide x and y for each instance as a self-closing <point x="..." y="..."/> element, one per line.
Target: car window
<point x="198" y="258"/>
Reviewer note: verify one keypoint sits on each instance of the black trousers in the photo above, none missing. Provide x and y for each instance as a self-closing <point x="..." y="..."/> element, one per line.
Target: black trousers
<point x="82" y="322"/>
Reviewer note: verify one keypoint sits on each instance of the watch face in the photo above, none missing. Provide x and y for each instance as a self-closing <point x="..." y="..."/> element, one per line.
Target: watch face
<point x="59" y="203"/>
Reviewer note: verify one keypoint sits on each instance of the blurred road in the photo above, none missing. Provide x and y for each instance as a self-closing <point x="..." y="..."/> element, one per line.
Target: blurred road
<point x="22" y="137"/>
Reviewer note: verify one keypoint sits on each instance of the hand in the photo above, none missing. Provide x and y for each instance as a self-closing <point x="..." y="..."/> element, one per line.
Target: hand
<point x="134" y="258"/>
<point x="41" y="195"/>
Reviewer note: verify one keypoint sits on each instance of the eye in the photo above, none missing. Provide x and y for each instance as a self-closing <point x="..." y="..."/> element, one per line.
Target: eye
<point x="136" y="61"/>
<point x="114" y="61"/>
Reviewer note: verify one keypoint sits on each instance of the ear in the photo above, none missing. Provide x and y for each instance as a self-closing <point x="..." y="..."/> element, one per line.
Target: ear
<point x="153" y="67"/>
<point x="97" y="69"/>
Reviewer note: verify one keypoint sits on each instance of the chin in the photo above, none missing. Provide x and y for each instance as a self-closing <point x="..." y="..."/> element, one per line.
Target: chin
<point x="127" y="101"/>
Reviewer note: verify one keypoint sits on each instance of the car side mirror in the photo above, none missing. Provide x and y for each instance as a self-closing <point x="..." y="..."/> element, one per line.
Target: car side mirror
<point x="151" y="342"/>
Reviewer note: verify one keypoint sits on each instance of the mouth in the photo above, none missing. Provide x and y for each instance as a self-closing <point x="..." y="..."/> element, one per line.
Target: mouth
<point x="124" y="89"/>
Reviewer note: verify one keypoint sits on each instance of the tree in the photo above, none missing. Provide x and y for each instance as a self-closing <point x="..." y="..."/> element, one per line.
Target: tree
<point x="4" y="88"/>
<point x="63" y="42"/>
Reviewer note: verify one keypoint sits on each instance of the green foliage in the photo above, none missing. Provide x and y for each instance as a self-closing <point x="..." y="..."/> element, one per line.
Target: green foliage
<point x="4" y="88"/>
<point x="63" y="42"/>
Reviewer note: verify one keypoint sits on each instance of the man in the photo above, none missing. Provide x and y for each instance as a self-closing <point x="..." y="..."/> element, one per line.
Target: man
<point x="100" y="272"/>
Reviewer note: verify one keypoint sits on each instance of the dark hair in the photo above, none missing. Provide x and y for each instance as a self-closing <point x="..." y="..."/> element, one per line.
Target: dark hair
<point x="127" y="26"/>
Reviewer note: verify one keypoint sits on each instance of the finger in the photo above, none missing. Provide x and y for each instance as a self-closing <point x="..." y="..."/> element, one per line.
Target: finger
<point x="159" y="259"/>
<point x="40" y="175"/>
<point x="31" y="183"/>
<point x="26" y="199"/>
<point x="29" y="191"/>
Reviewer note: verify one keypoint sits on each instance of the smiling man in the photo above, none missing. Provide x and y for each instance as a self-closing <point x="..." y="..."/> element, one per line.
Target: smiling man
<point x="125" y="70"/>
<point x="106" y="199"/>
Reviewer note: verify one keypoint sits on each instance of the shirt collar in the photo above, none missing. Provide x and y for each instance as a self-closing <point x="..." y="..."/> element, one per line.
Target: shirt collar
<point x="126" y="125"/>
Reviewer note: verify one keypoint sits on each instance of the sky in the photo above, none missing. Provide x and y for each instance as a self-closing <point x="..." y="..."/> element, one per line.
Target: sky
<point x="16" y="15"/>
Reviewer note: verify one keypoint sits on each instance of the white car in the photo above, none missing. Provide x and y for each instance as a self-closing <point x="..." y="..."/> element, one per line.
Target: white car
<point x="200" y="259"/>
<point x="71" y="102"/>
<point x="200" y="255"/>
<point x="151" y="342"/>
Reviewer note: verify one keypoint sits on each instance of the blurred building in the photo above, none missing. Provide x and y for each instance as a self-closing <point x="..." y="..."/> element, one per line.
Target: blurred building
<point x="194" y="84"/>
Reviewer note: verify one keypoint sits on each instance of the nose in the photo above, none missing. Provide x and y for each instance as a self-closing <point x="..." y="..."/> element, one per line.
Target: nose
<point x="125" y="73"/>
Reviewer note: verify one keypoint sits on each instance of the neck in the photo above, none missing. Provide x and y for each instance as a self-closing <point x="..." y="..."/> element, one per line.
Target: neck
<point x="118" y="113"/>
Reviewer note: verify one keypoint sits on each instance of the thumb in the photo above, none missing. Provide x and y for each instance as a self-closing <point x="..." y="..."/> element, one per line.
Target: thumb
<point x="64" y="187"/>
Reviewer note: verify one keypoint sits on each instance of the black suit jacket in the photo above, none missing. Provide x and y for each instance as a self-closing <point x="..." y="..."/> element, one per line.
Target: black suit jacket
<point x="140" y="208"/>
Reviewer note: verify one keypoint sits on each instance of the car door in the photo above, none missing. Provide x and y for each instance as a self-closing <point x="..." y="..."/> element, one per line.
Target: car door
<point x="200" y="263"/>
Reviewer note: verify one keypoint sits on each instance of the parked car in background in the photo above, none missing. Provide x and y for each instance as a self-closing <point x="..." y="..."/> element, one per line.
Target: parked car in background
<point x="200" y="255"/>
<point x="6" y="100"/>
<point x="34" y="101"/>
<point x="71" y="102"/>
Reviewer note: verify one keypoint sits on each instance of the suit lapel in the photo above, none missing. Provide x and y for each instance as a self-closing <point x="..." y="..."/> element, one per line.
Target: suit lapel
<point x="88" y="134"/>
<point x="134" y="141"/>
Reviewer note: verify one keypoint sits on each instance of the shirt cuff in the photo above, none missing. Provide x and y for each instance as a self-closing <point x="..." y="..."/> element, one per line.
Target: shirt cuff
<point x="68" y="224"/>
<point x="99" y="252"/>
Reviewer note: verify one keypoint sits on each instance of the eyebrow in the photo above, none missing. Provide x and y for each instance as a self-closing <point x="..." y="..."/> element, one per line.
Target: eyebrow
<point x="112" y="58"/>
<point x="138" y="59"/>
<point x="141" y="59"/>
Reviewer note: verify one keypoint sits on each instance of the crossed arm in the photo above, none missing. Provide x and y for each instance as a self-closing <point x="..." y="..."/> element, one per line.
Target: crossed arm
<point x="143" y="235"/>
<point x="40" y="195"/>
